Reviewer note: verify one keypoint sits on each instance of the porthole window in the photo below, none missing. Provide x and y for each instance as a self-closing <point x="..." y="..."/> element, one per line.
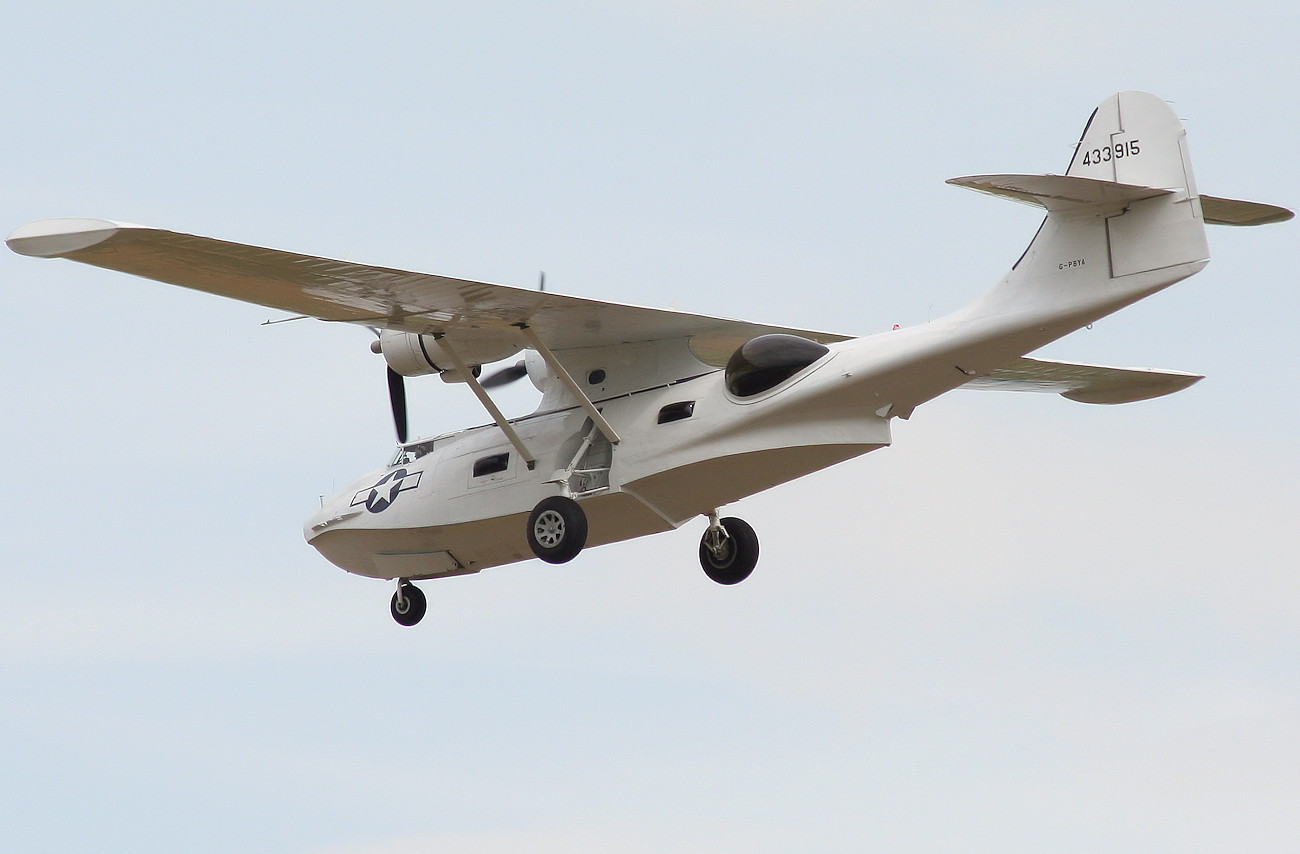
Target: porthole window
<point x="765" y="362"/>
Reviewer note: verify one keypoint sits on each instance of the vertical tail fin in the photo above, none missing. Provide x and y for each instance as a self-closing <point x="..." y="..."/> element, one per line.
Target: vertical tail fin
<point x="1135" y="138"/>
<point x="1123" y="222"/>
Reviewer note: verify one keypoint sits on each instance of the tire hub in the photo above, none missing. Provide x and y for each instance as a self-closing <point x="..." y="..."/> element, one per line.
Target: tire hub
<point x="549" y="529"/>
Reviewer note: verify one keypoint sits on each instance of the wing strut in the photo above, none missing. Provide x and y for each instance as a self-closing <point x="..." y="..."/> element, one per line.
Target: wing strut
<point x="569" y="383"/>
<point x="487" y="402"/>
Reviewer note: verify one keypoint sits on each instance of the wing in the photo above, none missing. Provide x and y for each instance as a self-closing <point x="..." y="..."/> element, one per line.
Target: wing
<point x="1084" y="383"/>
<point x="377" y="296"/>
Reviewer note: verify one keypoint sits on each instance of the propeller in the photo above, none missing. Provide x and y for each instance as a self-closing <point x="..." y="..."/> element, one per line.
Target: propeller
<point x="505" y="376"/>
<point x="518" y="370"/>
<point x="397" y="384"/>
<point x="397" y="398"/>
<point x="396" y="391"/>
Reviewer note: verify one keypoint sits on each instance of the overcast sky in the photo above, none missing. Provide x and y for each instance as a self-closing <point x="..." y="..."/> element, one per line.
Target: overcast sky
<point x="1030" y="625"/>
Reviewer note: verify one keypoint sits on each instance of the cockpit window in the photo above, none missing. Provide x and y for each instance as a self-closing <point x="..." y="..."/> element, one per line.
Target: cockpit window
<point x="767" y="361"/>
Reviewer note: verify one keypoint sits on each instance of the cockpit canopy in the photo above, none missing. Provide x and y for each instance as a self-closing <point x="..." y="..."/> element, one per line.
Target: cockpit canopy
<point x="765" y="362"/>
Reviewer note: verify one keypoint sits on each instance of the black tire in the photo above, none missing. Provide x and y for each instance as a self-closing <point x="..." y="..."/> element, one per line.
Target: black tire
<point x="415" y="605"/>
<point x="557" y="529"/>
<point x="740" y="557"/>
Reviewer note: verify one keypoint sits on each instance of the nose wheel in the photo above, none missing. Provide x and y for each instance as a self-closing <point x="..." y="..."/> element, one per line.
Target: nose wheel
<point x="408" y="605"/>
<point x="728" y="550"/>
<point x="557" y="529"/>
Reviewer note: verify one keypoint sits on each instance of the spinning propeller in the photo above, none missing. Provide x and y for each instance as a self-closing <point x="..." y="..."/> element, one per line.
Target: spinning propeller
<point x="396" y="392"/>
<point x="397" y="389"/>
<point x="505" y="376"/>
<point x="397" y="400"/>
<point x="518" y="370"/>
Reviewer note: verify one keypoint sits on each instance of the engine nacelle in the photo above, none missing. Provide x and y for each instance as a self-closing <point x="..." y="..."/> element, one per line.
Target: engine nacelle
<point x="413" y="355"/>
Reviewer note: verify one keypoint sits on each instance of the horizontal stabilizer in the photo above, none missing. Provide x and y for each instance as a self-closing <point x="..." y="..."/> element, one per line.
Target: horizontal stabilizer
<point x="1056" y="192"/>
<point x="1084" y="383"/>
<point x="1236" y="212"/>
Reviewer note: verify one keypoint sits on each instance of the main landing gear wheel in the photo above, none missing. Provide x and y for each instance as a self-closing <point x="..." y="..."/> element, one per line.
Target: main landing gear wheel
<point x="557" y="529"/>
<point x="408" y="604"/>
<point x="729" y="552"/>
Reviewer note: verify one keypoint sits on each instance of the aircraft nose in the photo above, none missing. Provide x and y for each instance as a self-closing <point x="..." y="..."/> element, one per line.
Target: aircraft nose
<point x="332" y="511"/>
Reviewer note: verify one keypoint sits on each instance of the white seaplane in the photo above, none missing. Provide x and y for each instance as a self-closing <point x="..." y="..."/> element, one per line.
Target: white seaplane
<point x="650" y="418"/>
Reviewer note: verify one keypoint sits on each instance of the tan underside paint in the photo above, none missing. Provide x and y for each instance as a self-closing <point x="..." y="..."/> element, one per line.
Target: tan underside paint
<point x="680" y="494"/>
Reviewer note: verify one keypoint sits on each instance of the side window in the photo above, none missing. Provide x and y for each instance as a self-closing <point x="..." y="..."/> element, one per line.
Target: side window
<point x="676" y="411"/>
<point x="491" y="465"/>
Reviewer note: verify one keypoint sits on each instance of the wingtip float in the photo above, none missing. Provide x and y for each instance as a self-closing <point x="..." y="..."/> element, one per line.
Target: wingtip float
<point x="57" y="238"/>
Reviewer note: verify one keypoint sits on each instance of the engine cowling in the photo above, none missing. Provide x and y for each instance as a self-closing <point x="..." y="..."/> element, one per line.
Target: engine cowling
<point x="413" y="355"/>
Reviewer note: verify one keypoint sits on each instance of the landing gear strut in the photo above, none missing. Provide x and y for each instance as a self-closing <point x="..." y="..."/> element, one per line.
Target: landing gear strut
<point x="408" y="604"/>
<point x="728" y="550"/>
<point x="557" y="529"/>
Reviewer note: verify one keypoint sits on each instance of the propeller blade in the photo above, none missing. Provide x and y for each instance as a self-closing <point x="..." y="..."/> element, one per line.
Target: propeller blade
<point x="505" y="376"/>
<point x="397" y="397"/>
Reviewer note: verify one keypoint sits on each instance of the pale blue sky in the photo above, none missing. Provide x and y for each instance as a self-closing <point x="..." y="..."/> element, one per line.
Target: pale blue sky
<point x="1029" y="626"/>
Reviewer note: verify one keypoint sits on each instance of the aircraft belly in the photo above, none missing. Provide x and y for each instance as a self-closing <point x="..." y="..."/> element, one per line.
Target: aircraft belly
<point x="697" y="488"/>
<point x="443" y="550"/>
<point x="426" y="552"/>
<point x="732" y="449"/>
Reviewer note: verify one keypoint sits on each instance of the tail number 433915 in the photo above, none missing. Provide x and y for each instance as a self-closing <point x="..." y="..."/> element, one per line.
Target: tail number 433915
<point x="1118" y="151"/>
